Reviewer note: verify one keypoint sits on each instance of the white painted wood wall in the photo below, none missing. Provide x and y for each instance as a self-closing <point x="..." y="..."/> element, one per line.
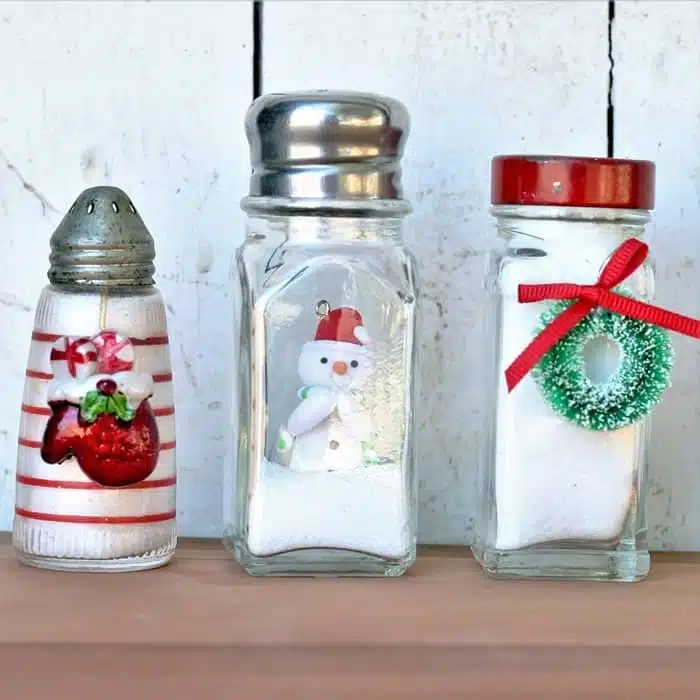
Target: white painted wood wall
<point x="150" y="96"/>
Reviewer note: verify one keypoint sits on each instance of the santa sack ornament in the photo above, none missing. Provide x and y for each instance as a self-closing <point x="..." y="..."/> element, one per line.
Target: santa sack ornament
<point x="325" y="482"/>
<point x="96" y="457"/>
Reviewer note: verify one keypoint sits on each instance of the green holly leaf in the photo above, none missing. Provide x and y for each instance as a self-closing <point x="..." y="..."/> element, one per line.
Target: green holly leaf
<point x="117" y="406"/>
<point x="93" y="405"/>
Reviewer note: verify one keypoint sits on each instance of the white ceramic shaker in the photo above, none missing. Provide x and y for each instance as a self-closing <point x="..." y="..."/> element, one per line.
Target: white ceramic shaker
<point x="96" y="464"/>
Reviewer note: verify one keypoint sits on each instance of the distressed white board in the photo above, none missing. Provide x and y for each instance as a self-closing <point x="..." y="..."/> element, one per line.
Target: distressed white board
<point x="657" y="116"/>
<point x="148" y="96"/>
<point x="479" y="78"/>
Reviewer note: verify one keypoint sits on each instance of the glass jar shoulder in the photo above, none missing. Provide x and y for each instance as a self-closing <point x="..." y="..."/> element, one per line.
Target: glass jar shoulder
<point x="264" y="264"/>
<point x="510" y="266"/>
<point x="545" y="245"/>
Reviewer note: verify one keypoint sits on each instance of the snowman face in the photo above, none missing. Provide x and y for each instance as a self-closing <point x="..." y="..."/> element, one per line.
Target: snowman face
<point x="334" y="365"/>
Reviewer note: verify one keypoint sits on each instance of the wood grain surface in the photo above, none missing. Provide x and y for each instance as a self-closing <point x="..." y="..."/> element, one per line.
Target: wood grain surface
<point x="445" y="628"/>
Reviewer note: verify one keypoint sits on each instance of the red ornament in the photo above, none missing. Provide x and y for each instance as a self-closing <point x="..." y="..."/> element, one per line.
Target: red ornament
<point x="77" y="356"/>
<point x="111" y="452"/>
<point x="116" y="353"/>
<point x="623" y="263"/>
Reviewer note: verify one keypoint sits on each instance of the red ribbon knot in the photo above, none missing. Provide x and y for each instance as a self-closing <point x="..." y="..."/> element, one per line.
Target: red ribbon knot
<point x="624" y="262"/>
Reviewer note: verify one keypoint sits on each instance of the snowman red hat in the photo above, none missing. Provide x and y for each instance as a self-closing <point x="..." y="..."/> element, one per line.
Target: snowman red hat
<point x="342" y="325"/>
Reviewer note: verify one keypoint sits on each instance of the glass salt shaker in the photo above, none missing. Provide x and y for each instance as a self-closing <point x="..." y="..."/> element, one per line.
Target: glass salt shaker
<point x="563" y="481"/>
<point x="96" y="458"/>
<point x="325" y="479"/>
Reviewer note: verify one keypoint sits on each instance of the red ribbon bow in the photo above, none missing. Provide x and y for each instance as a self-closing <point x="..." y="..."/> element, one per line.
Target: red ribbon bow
<point x="623" y="263"/>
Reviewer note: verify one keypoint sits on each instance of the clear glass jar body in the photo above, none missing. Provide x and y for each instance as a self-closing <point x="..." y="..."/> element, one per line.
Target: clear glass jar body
<point x="69" y="515"/>
<point x="325" y="482"/>
<point x="557" y="500"/>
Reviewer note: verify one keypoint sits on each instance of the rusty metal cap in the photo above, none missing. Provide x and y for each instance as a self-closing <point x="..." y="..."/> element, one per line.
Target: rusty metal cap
<point x="102" y="242"/>
<point x="326" y="144"/>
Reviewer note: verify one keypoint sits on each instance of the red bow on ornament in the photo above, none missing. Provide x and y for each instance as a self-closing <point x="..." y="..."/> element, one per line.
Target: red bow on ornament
<point x="623" y="263"/>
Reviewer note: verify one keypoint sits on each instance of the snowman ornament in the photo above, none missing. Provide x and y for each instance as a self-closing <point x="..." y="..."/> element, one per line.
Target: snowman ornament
<point x="329" y="430"/>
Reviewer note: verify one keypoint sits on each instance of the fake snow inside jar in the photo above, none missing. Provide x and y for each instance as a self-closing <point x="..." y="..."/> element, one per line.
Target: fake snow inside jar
<point x="579" y="361"/>
<point x="325" y="480"/>
<point x="96" y="457"/>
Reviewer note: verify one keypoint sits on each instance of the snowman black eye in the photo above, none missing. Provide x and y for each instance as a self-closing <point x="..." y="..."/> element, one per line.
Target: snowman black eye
<point x="324" y="360"/>
<point x="354" y="363"/>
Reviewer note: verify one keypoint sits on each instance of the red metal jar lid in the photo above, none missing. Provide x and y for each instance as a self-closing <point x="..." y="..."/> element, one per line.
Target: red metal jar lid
<point x="569" y="181"/>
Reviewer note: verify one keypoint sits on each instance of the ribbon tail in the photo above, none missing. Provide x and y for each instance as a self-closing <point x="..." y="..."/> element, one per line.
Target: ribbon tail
<point x="528" y="293"/>
<point x="641" y="311"/>
<point x="545" y="341"/>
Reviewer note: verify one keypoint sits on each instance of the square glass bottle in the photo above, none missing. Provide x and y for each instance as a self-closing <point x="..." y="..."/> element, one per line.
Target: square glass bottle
<point x="325" y="478"/>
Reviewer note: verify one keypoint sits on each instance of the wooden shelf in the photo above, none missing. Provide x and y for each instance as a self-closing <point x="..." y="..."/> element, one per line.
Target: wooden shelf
<point x="203" y="628"/>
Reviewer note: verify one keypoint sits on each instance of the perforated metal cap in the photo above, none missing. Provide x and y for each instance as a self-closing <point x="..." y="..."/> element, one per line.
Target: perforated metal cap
<point x="102" y="242"/>
<point x="326" y="145"/>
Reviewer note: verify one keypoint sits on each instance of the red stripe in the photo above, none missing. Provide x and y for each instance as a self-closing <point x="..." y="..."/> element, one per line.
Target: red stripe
<point x="96" y="519"/>
<point x="155" y="340"/>
<point x="91" y="485"/>
<point x="33" y="374"/>
<point x="45" y="337"/>
<point x="37" y="445"/>
<point x="157" y="378"/>
<point x="165" y="411"/>
<point x="36" y="410"/>
<point x="52" y="338"/>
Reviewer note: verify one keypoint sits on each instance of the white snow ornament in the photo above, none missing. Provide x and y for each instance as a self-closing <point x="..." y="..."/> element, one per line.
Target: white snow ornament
<point x="327" y="431"/>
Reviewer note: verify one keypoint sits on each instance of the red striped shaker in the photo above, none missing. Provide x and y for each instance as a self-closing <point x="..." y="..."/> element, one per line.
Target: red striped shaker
<point x="96" y="456"/>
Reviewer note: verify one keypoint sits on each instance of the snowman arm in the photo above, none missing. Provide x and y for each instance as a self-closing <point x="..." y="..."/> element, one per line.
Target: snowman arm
<point x="305" y="392"/>
<point x="316" y="407"/>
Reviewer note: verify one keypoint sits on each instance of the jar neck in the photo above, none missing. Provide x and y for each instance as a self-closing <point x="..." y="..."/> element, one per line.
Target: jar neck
<point x="581" y="228"/>
<point x="320" y="228"/>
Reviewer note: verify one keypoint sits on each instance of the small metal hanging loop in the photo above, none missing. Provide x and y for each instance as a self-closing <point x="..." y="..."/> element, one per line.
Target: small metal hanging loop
<point x="323" y="308"/>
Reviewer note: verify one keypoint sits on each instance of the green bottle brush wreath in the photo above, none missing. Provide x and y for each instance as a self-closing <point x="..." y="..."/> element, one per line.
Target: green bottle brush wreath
<point x="629" y="394"/>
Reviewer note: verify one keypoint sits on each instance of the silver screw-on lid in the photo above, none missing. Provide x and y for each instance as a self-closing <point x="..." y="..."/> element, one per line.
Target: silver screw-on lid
<point x="325" y="144"/>
<point x="102" y="242"/>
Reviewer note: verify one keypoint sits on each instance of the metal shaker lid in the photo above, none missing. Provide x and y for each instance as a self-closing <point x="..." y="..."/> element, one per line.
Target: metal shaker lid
<point x="102" y="242"/>
<point x="327" y="145"/>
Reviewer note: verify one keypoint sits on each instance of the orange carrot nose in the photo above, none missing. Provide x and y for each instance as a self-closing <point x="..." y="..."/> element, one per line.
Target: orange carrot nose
<point x="340" y="368"/>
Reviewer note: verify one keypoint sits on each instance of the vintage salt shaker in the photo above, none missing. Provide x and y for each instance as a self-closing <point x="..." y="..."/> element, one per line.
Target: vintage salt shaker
<point x="325" y="479"/>
<point x="580" y="360"/>
<point x="96" y="458"/>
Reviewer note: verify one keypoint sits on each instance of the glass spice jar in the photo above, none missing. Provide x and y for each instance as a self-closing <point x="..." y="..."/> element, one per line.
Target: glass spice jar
<point x="96" y="464"/>
<point x="563" y="480"/>
<point x="325" y="481"/>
